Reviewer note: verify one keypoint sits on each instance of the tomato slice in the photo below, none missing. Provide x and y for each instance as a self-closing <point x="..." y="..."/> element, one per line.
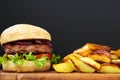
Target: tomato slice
<point x="46" y="54"/>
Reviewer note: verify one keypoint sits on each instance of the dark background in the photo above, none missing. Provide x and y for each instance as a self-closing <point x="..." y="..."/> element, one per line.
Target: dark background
<point x="72" y="23"/>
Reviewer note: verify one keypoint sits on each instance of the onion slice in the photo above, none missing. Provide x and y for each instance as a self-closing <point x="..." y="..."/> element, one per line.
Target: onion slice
<point x="23" y="43"/>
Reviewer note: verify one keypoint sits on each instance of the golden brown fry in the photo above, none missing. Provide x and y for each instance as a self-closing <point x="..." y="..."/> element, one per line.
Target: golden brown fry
<point x="64" y="67"/>
<point x="77" y="56"/>
<point x="88" y="61"/>
<point x="89" y="48"/>
<point x="116" y="52"/>
<point x="84" y="51"/>
<point x="117" y="61"/>
<point x="67" y="58"/>
<point x="98" y="47"/>
<point x="83" y="67"/>
<point x="100" y="58"/>
<point x="91" y="62"/>
<point x="114" y="57"/>
<point x="109" y="68"/>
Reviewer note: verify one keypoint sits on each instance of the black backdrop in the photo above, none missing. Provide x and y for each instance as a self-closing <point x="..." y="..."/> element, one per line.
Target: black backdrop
<point x="72" y="23"/>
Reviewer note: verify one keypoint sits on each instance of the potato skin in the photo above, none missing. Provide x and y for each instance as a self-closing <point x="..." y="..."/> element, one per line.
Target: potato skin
<point x="64" y="67"/>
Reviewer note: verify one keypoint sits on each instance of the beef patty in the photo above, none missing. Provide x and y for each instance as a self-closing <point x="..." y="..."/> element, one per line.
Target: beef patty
<point x="35" y="48"/>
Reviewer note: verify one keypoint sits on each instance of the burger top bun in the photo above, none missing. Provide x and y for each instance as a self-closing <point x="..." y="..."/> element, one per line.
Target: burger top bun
<point x="23" y="32"/>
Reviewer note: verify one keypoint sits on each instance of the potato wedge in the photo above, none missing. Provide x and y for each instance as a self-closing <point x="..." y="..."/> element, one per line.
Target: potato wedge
<point x="83" y="51"/>
<point x="88" y="61"/>
<point x="64" y="67"/>
<point x="91" y="62"/>
<point x="100" y="58"/>
<point x="77" y="56"/>
<point x="89" y="48"/>
<point x="109" y="68"/>
<point x="117" y="61"/>
<point x="116" y="52"/>
<point x="98" y="47"/>
<point x="67" y="58"/>
<point x="83" y="67"/>
<point x="112" y="52"/>
<point x="114" y="57"/>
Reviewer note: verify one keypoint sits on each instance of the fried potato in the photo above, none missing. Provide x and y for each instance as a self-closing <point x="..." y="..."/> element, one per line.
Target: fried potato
<point x="88" y="61"/>
<point x="84" y="51"/>
<point x="64" y="67"/>
<point x="98" y="47"/>
<point x="81" y="66"/>
<point x="114" y="57"/>
<point x="117" y="61"/>
<point x="109" y="68"/>
<point x="67" y="58"/>
<point x="112" y="52"/>
<point x="116" y="52"/>
<point x="89" y="48"/>
<point x="77" y="56"/>
<point x="91" y="62"/>
<point x="100" y="58"/>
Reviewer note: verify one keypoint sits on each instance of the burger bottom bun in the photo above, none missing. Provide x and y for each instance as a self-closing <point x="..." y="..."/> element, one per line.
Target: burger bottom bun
<point x="28" y="66"/>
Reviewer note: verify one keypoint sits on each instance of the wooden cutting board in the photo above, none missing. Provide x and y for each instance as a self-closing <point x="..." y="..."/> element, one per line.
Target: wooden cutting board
<point x="52" y="75"/>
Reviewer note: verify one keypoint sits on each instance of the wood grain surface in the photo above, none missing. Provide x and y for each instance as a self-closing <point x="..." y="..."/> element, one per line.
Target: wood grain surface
<point x="52" y="75"/>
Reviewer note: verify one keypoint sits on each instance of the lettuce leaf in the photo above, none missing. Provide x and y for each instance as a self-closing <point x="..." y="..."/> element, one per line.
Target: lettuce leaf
<point x="42" y="61"/>
<point x="55" y="59"/>
<point x="19" y="59"/>
<point x="39" y="62"/>
<point x="16" y="59"/>
<point x="29" y="57"/>
<point x="3" y="59"/>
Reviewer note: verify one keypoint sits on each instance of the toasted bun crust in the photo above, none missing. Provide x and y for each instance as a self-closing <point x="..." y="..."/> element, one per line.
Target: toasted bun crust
<point x="23" y="32"/>
<point x="28" y="66"/>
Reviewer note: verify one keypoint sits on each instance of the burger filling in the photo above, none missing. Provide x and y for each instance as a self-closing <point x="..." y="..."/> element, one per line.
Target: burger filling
<point x="37" y="47"/>
<point x="39" y="51"/>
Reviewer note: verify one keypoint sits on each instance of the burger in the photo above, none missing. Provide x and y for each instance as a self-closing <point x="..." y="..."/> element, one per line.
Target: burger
<point x="28" y="48"/>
